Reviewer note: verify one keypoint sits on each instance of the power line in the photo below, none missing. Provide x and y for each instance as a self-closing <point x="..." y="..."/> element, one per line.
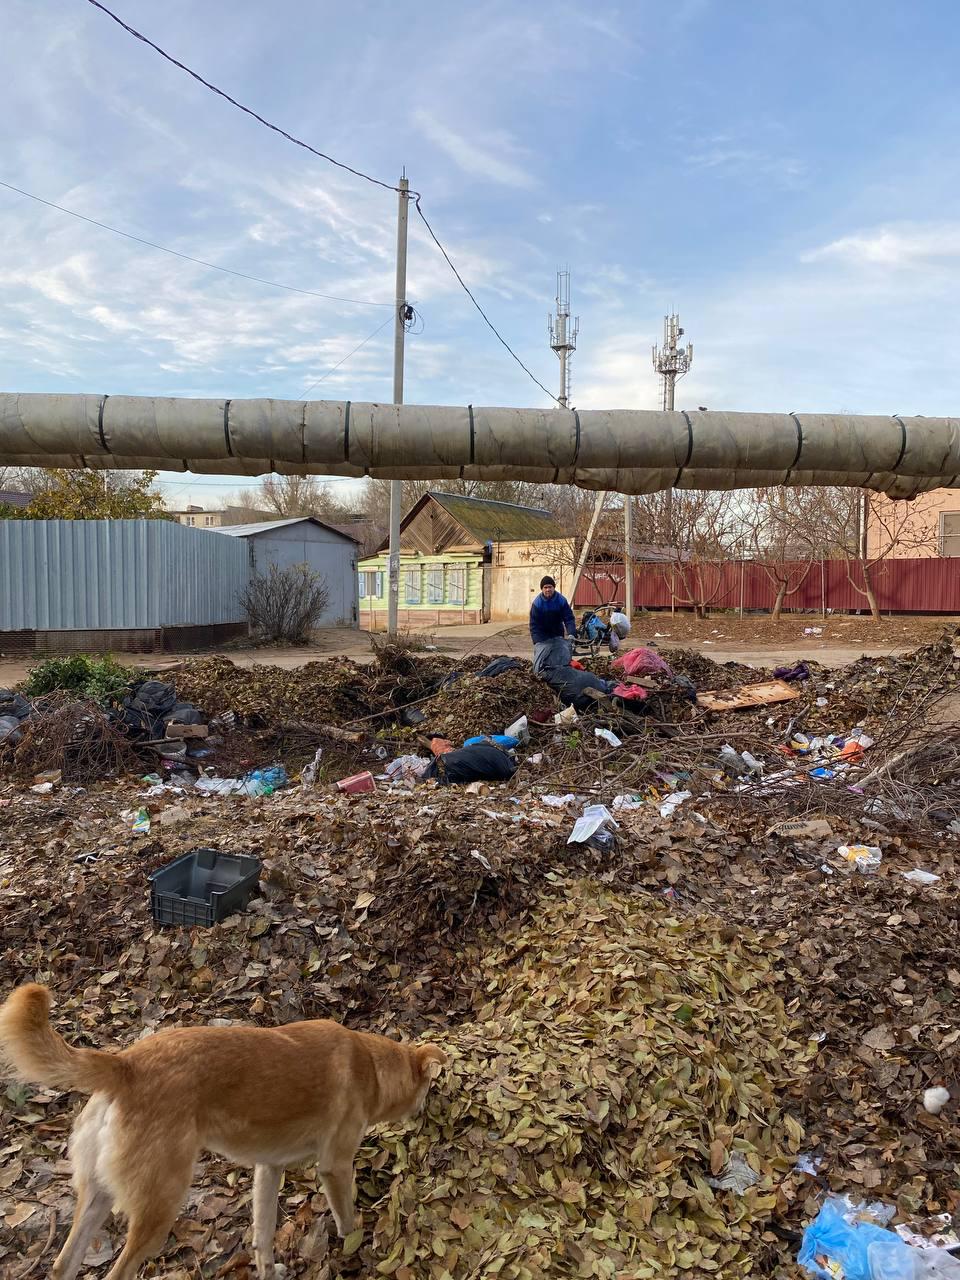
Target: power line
<point x="336" y="366"/>
<point x="298" y="142"/>
<point x="213" y="266"/>
<point x="463" y="285"/>
<point x="137" y="35"/>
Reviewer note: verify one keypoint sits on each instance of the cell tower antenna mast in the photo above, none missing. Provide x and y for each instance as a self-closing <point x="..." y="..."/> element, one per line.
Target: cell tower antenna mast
<point x="563" y="335"/>
<point x="671" y="360"/>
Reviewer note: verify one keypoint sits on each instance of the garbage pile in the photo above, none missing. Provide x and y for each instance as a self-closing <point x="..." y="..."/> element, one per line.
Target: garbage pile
<point x="631" y="904"/>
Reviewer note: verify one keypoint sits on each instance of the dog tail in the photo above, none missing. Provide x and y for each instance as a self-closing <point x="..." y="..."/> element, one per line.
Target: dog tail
<point x="39" y="1055"/>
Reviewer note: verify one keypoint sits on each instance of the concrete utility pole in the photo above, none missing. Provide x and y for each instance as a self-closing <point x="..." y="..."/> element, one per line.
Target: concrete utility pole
<point x="563" y="335"/>
<point x="671" y="361"/>
<point x="399" y="333"/>
<point x="628" y="555"/>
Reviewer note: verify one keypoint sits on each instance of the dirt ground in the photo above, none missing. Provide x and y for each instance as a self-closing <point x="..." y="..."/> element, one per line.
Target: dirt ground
<point x="807" y="630"/>
<point x="753" y="640"/>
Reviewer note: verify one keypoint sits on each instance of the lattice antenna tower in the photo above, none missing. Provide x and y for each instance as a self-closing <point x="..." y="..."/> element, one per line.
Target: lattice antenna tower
<point x="563" y="335"/>
<point x="671" y="360"/>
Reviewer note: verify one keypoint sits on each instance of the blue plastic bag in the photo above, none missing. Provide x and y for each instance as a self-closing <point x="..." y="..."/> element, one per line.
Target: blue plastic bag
<point x="263" y="782"/>
<point x="835" y="1249"/>
<point x="499" y="739"/>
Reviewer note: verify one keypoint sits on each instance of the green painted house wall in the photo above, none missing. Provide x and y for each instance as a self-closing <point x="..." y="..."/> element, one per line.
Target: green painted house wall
<point x="450" y="584"/>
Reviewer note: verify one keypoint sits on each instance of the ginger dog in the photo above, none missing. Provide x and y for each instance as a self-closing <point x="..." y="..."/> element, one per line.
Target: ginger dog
<point x="262" y="1096"/>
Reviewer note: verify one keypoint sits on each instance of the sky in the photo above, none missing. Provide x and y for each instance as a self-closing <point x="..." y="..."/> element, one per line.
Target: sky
<point x="784" y="176"/>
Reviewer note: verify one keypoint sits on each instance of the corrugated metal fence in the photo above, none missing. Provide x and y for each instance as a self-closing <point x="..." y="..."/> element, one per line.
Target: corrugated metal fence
<point x="105" y="575"/>
<point x="901" y="586"/>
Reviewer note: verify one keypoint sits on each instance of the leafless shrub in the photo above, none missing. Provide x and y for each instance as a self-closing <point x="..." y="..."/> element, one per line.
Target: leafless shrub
<point x="73" y="735"/>
<point x="286" y="604"/>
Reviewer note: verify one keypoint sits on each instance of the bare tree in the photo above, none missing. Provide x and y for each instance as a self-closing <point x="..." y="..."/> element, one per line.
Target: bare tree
<point x="780" y="533"/>
<point x="892" y="532"/>
<point x="705" y="526"/>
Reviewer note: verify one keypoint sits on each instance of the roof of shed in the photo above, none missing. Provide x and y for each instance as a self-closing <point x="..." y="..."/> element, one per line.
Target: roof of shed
<point x="251" y="530"/>
<point x="490" y="521"/>
<point x="481" y="520"/>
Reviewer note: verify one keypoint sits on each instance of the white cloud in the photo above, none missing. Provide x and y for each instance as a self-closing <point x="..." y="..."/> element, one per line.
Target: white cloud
<point x="735" y="158"/>
<point x="491" y="155"/>
<point x="905" y="245"/>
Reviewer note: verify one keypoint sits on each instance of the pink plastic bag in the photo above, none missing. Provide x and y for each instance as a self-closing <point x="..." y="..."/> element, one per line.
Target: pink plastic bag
<point x="629" y="692"/>
<point x="642" y="662"/>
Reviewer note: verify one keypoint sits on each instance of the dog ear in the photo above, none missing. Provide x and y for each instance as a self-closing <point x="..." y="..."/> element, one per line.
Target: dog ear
<point x="430" y="1061"/>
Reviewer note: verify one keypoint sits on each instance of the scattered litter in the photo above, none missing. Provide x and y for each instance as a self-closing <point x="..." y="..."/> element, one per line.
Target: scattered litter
<point x="567" y="716"/>
<point x="866" y="858"/>
<point x="498" y="739"/>
<point x="736" y="1176"/>
<point x="836" y="1244"/>
<point x="753" y="764"/>
<point x="407" y="768"/>
<point x="813" y="631"/>
<point x="357" y="783"/>
<point x="310" y="772"/>
<point x="627" y="802"/>
<point x="750" y="695"/>
<point x="802" y="829"/>
<point x="559" y="802"/>
<point x="936" y="1233"/>
<point x="809" y="1163"/>
<point x="138" y="820"/>
<point x="520" y="730"/>
<point x="42" y="788"/>
<point x="918" y="876"/>
<point x="608" y="736"/>
<point x="594" y="818"/>
<point x="822" y="701"/>
<point x="934" y="1100"/>
<point x="482" y="762"/>
<point x="203" y="887"/>
<point x="673" y="802"/>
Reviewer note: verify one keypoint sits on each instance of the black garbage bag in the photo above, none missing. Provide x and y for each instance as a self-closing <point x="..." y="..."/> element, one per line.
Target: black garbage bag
<point x="498" y="666"/>
<point x="142" y="712"/>
<point x="14" y="704"/>
<point x="481" y="763"/>
<point x="571" y="685"/>
<point x="184" y="713"/>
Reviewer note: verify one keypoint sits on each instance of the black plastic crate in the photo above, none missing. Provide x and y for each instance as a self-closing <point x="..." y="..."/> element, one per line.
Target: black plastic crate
<point x="203" y="887"/>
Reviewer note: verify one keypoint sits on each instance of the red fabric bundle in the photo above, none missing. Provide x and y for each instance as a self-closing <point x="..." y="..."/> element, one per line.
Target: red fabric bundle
<point x="642" y="662"/>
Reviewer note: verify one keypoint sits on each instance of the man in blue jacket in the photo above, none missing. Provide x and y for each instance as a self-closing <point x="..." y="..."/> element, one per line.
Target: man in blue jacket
<point x="550" y="617"/>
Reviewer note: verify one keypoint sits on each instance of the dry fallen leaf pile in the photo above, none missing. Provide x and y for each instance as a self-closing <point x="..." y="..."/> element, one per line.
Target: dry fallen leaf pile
<point x="619" y="1058"/>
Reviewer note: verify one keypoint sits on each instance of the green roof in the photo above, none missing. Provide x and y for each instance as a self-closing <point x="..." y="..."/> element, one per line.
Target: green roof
<point x="498" y="521"/>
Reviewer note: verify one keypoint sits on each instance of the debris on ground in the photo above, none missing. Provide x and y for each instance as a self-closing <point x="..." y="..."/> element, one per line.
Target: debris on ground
<point x="782" y="1027"/>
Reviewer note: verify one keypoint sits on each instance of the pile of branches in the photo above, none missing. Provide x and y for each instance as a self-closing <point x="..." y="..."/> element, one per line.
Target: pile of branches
<point x="72" y="735"/>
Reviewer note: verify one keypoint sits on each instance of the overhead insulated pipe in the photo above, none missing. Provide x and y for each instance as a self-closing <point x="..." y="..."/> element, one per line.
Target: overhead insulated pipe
<point x="626" y="450"/>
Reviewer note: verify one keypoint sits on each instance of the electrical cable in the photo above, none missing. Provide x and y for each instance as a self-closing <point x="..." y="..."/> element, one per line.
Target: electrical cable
<point x="336" y="366"/>
<point x="298" y="142"/>
<point x="152" y="244"/>
<point x="137" y="35"/>
<point x="463" y="284"/>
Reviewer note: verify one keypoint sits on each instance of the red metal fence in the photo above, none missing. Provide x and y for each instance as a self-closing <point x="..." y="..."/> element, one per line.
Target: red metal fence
<point x="901" y="586"/>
